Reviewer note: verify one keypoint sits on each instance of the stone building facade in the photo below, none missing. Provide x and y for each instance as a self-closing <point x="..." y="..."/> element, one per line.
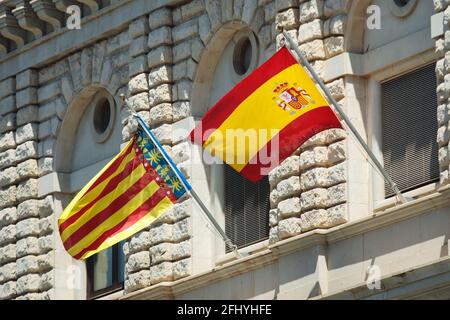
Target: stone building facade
<point x="332" y="227"/>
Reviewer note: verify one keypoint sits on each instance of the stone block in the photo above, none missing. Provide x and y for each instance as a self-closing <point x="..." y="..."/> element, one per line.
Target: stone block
<point x="160" y="94"/>
<point x="138" y="261"/>
<point x="8" y="290"/>
<point x="26" y="97"/>
<point x="8" y="235"/>
<point x="289" y="208"/>
<point x="159" y="37"/>
<point x="289" y="227"/>
<point x="27" y="246"/>
<point x="27" y="189"/>
<point x="310" y="10"/>
<point x="28" y="283"/>
<point x="8" y="105"/>
<point x="27" y="132"/>
<point x="161" y="114"/>
<point x="7" y="141"/>
<point x="7" y="159"/>
<point x="7" y="87"/>
<point x="137" y="281"/>
<point x="161" y="272"/>
<point x="138" y="84"/>
<point x="26" y="151"/>
<point x="182" y="268"/>
<point x="7" y="253"/>
<point x="8" y="197"/>
<point x="7" y="273"/>
<point x="159" y="56"/>
<point x="287" y="19"/>
<point x="28" y="228"/>
<point x="28" y="169"/>
<point x="27" y="114"/>
<point x="8" y="216"/>
<point x="7" y="122"/>
<point x="8" y="176"/>
<point x="139" y="242"/>
<point x="314" y="199"/>
<point x="311" y="31"/>
<point x="160" y="17"/>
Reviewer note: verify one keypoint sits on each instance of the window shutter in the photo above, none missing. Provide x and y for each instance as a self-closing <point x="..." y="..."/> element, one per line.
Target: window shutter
<point x="246" y="209"/>
<point x="409" y="112"/>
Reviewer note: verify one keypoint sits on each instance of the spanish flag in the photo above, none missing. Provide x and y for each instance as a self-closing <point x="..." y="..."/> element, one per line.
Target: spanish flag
<point x="265" y="117"/>
<point x="131" y="192"/>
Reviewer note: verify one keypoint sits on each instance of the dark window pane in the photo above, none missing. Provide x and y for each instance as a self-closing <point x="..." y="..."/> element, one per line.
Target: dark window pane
<point x="409" y="107"/>
<point x="121" y="263"/>
<point x="102" y="265"/>
<point x="246" y="209"/>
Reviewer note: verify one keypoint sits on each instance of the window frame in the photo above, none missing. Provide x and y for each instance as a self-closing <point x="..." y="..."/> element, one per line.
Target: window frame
<point x="116" y="284"/>
<point x="378" y="201"/>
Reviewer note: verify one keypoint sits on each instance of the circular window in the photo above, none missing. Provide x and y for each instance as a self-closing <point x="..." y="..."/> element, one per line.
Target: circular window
<point x="401" y="3"/>
<point x="242" y="56"/>
<point x="103" y="114"/>
<point x="402" y="8"/>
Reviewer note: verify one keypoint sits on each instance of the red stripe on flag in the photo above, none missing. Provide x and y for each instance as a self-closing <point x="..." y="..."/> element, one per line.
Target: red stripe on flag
<point x="226" y="106"/>
<point x="113" y="207"/>
<point x="112" y="168"/>
<point x="129" y="221"/>
<point x="292" y="137"/>
<point x="112" y="184"/>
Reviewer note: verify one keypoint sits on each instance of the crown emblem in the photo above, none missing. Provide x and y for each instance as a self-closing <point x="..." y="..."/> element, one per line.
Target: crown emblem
<point x="291" y="97"/>
<point x="281" y="87"/>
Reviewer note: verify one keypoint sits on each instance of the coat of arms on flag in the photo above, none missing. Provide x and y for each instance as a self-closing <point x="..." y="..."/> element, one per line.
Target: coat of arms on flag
<point x="131" y="192"/>
<point x="278" y="104"/>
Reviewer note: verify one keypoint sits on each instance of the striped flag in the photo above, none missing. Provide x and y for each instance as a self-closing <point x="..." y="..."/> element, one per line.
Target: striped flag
<point x="265" y="117"/>
<point x="131" y="192"/>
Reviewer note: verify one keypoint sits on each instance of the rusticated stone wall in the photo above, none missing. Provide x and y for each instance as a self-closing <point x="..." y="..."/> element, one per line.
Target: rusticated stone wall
<point x="309" y="189"/>
<point x="443" y="91"/>
<point x="155" y="62"/>
<point x="33" y="107"/>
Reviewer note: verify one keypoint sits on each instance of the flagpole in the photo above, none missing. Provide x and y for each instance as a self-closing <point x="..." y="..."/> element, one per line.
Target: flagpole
<point x="183" y="180"/>
<point x="347" y="121"/>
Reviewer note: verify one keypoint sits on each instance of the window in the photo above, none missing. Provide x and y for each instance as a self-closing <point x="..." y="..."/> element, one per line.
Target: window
<point x="105" y="271"/>
<point x="410" y="149"/>
<point x="402" y="8"/>
<point x="246" y="209"/>
<point x="103" y="116"/>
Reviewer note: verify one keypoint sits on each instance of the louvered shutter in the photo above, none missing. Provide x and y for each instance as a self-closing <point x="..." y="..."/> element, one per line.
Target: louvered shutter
<point x="246" y="209"/>
<point x="409" y="112"/>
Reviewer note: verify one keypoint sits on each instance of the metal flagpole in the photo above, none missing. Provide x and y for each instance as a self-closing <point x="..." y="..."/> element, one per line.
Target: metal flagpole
<point x="183" y="180"/>
<point x="347" y="121"/>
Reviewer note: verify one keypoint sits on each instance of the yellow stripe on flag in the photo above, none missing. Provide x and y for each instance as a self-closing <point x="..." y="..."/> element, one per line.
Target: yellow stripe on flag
<point x="74" y="206"/>
<point x="104" y="202"/>
<point x="149" y="218"/>
<point x="116" y="218"/>
<point x="259" y="112"/>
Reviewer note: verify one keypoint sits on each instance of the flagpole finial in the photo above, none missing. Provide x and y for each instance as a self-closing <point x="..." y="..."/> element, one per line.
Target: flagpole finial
<point x="124" y="102"/>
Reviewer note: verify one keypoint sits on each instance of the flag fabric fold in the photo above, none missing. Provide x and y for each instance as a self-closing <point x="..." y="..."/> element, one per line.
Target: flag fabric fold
<point x="132" y="191"/>
<point x="265" y="117"/>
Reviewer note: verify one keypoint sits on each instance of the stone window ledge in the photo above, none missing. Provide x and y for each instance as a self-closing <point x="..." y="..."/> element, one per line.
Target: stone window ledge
<point x="410" y="196"/>
<point x="257" y="260"/>
<point x="249" y="250"/>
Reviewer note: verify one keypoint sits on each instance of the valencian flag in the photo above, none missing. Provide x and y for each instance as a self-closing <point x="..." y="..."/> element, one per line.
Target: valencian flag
<point x="131" y="192"/>
<point x="280" y="103"/>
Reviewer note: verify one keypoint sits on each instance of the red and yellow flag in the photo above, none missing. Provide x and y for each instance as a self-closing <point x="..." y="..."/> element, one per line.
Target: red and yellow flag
<point x="131" y="192"/>
<point x="271" y="112"/>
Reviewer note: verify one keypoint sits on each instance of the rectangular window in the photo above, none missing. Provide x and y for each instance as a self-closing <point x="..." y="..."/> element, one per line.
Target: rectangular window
<point x="105" y="271"/>
<point x="246" y="209"/>
<point x="409" y="113"/>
